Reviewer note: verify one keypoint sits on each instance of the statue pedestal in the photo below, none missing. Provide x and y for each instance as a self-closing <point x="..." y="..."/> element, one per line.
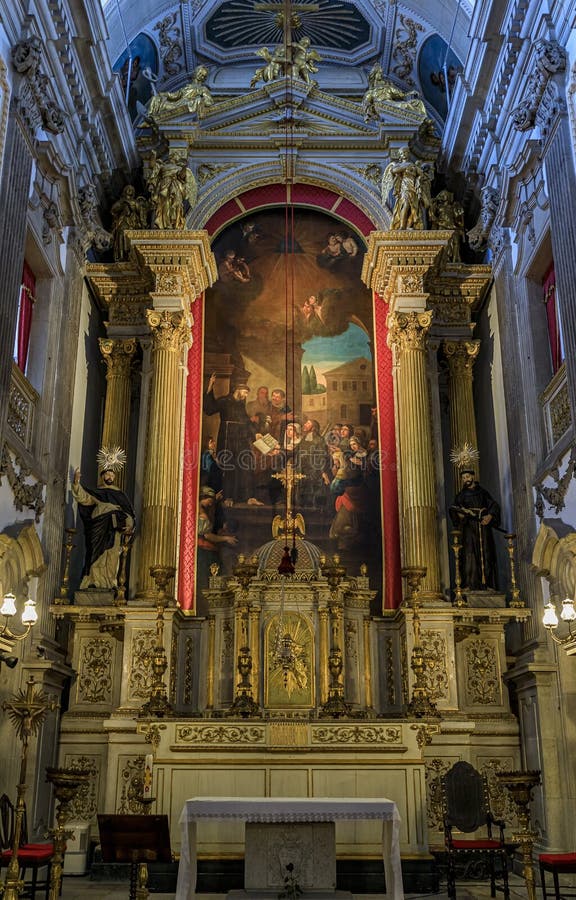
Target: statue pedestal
<point x="310" y="847"/>
<point x="94" y="597"/>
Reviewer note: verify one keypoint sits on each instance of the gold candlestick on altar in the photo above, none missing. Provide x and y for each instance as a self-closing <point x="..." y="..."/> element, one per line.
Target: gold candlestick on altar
<point x="244" y="704"/>
<point x="421" y="703"/>
<point x="516" y="601"/>
<point x="66" y="783"/>
<point x="520" y="786"/>
<point x="27" y="709"/>
<point x="459" y="597"/>
<point x="158" y="705"/>
<point x="64" y="597"/>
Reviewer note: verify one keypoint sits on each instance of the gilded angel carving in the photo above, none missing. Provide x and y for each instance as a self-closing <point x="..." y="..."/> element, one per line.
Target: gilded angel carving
<point x="409" y="181"/>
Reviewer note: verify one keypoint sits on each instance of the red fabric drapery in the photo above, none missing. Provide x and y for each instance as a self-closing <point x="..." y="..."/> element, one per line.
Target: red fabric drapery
<point x="549" y="292"/>
<point x="191" y="463"/>
<point x="26" y="305"/>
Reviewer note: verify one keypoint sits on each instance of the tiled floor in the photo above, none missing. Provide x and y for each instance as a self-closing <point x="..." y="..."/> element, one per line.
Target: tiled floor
<point x="82" y="888"/>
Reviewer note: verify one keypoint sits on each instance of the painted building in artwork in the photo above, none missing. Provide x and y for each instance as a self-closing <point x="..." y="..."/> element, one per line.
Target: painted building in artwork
<point x="190" y="223"/>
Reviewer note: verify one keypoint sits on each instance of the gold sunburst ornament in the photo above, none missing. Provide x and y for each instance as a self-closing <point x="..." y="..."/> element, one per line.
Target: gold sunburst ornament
<point x="111" y="459"/>
<point x="464" y="457"/>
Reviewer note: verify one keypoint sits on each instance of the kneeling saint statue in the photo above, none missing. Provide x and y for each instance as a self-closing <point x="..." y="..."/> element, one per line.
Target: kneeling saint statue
<point x="107" y="515"/>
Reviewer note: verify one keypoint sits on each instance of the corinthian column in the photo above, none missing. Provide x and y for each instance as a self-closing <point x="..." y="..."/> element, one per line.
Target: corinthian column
<point x="461" y="356"/>
<point x="118" y="356"/>
<point x="407" y="335"/>
<point x="170" y="330"/>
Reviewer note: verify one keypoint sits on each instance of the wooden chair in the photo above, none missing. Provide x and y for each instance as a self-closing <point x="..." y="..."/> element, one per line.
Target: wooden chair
<point x="557" y="864"/>
<point x="30" y="855"/>
<point x="465" y="808"/>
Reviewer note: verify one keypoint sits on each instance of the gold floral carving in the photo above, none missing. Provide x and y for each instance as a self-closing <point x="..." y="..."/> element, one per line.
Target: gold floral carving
<point x="404" y="53"/>
<point x="95" y="671"/>
<point x="84" y="806"/>
<point x="356" y="734"/>
<point x="435" y="771"/>
<point x="169" y="37"/>
<point x="131" y="785"/>
<point x="170" y="330"/>
<point x="143" y="643"/>
<point x="220" y="734"/>
<point x="436" y="671"/>
<point x="560" y="415"/>
<point x="118" y="356"/>
<point x="189" y="673"/>
<point x="390" y="679"/>
<point x="408" y="331"/>
<point x="483" y="674"/>
<point x="227" y="645"/>
<point x="501" y="804"/>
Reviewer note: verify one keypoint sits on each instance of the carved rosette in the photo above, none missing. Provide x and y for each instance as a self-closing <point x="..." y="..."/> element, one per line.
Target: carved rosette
<point x="408" y="331"/>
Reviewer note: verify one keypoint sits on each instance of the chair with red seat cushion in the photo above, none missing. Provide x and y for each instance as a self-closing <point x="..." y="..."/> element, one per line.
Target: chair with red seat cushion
<point x="558" y="864"/>
<point x="33" y="856"/>
<point x="465" y="808"/>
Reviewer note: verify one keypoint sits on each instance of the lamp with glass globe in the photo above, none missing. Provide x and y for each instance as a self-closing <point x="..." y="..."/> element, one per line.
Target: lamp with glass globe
<point x="551" y="622"/>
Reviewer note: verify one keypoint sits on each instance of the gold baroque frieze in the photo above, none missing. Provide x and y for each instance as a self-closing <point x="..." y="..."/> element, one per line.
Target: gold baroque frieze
<point x="220" y="735"/>
<point x="356" y="734"/>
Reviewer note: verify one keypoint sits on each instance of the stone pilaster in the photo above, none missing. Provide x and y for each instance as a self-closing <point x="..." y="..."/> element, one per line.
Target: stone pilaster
<point x="118" y="356"/>
<point x="14" y="187"/>
<point x="170" y="337"/>
<point x="461" y="356"/>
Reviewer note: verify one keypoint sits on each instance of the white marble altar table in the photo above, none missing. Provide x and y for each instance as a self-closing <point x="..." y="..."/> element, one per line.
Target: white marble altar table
<point x="289" y="809"/>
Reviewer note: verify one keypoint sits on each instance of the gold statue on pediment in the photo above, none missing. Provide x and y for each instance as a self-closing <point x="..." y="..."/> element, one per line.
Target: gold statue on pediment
<point x="381" y="91"/>
<point x="194" y="98"/>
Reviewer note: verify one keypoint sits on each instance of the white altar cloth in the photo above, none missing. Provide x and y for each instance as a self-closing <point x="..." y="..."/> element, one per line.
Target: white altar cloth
<point x="289" y="809"/>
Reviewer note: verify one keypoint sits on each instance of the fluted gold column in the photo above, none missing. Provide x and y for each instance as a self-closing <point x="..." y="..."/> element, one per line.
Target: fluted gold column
<point x="118" y="356"/>
<point x="461" y="356"/>
<point x="367" y="664"/>
<point x="255" y="649"/>
<point x="323" y="650"/>
<point x="170" y="332"/>
<point x="407" y="335"/>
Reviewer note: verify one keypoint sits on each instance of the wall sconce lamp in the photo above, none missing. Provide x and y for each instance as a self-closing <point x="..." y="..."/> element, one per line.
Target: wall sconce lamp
<point x="10" y="661"/>
<point x="8" y="610"/>
<point x="567" y="614"/>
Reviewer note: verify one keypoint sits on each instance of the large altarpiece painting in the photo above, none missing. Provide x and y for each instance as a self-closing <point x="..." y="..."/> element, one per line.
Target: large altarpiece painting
<point x="288" y="385"/>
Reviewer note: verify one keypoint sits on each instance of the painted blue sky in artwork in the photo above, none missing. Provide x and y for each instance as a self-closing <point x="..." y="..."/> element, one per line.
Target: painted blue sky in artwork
<point x="325" y="353"/>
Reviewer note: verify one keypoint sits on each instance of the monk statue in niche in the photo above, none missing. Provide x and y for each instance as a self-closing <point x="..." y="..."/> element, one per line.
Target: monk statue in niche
<point x="108" y="518"/>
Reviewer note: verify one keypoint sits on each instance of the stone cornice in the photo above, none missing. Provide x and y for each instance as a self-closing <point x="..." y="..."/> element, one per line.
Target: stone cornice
<point x="399" y="262"/>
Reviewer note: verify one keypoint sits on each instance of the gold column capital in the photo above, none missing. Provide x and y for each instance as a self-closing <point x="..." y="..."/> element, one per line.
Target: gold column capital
<point x="118" y="355"/>
<point x="408" y="331"/>
<point x="181" y="264"/>
<point x="170" y="329"/>
<point x="461" y="356"/>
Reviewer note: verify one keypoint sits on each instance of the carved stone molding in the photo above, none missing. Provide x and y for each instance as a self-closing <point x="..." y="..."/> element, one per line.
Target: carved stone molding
<point x="356" y="734"/>
<point x="220" y="734"/>
<point x="555" y="495"/>
<point x="26" y="495"/>
<point x="93" y="233"/>
<point x="170" y="39"/>
<point x="35" y="96"/>
<point x="550" y="58"/>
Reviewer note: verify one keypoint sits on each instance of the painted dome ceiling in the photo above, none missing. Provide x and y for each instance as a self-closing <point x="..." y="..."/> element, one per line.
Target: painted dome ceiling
<point x="418" y="43"/>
